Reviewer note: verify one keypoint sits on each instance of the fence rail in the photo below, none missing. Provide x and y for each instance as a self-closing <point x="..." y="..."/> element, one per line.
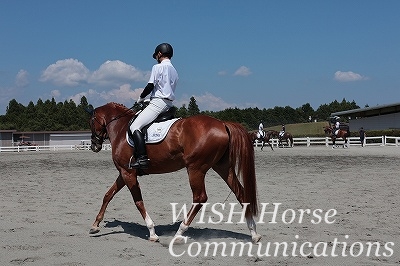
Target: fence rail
<point x="307" y="141"/>
<point x="352" y="141"/>
<point x="50" y="148"/>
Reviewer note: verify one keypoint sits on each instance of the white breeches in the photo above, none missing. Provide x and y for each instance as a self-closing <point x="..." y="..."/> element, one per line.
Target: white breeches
<point x="155" y="107"/>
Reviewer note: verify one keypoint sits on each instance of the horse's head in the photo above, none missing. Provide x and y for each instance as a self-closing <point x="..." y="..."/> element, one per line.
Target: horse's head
<point x="274" y="133"/>
<point x="98" y="128"/>
<point x="253" y="135"/>
<point x="103" y="122"/>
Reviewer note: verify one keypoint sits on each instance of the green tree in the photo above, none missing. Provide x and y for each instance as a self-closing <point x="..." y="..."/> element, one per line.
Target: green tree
<point x="193" y="109"/>
<point x="182" y="112"/>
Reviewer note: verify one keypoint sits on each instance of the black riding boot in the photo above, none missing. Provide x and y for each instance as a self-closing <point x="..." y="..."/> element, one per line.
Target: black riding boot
<point x="142" y="162"/>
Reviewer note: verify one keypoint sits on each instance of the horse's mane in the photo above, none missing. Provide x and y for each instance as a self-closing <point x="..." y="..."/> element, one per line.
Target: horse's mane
<point x="120" y="106"/>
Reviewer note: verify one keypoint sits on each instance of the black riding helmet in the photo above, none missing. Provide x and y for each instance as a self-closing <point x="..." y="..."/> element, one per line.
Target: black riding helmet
<point x="165" y="49"/>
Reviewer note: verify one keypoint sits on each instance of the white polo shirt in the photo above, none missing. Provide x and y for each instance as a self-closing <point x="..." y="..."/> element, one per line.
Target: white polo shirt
<point x="164" y="77"/>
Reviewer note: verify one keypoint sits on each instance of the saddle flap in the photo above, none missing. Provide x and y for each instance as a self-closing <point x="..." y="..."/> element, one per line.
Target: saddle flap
<point x="154" y="132"/>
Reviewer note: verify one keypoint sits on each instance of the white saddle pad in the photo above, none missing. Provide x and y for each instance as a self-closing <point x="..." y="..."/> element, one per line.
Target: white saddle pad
<point x="156" y="132"/>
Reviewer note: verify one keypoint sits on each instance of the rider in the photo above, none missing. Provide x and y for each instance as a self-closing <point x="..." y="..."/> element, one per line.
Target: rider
<point x="335" y="129"/>
<point x="261" y="130"/>
<point x="161" y="85"/>
<point x="282" y="132"/>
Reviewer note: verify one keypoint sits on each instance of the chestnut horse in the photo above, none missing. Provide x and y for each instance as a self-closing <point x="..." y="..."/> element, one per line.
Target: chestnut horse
<point x="342" y="133"/>
<point x="197" y="143"/>
<point x="286" y="137"/>
<point x="264" y="139"/>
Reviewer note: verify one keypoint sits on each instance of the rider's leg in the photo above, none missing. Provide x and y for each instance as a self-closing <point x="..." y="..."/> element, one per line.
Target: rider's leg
<point x="142" y="161"/>
<point x="155" y="107"/>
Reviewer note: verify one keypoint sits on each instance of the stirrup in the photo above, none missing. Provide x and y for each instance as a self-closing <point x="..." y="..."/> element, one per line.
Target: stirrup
<point x="140" y="163"/>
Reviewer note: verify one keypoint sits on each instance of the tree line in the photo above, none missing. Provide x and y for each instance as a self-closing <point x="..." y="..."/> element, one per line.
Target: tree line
<point x="68" y="116"/>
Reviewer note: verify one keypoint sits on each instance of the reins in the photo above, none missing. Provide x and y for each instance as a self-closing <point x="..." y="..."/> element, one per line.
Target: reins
<point x="99" y="137"/>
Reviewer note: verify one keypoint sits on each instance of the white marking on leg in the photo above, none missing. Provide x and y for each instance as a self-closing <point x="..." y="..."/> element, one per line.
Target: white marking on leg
<point x="182" y="229"/>
<point x="179" y="238"/>
<point x="150" y="225"/>
<point x="253" y="231"/>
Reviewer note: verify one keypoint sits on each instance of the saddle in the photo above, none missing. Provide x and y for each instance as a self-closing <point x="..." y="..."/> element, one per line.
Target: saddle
<point x="165" y="116"/>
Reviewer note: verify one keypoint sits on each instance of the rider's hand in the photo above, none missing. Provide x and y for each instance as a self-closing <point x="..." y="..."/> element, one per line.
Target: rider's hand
<point x="140" y="100"/>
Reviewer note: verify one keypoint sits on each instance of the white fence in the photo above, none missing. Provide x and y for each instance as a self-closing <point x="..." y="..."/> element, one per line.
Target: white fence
<point x="352" y="141"/>
<point x="51" y="148"/>
<point x="308" y="141"/>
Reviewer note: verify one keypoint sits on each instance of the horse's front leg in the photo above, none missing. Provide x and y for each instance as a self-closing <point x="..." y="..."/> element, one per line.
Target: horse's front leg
<point x="136" y="193"/>
<point x="118" y="184"/>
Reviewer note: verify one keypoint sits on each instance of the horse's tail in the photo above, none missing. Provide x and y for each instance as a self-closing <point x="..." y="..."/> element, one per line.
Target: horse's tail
<point x="241" y="156"/>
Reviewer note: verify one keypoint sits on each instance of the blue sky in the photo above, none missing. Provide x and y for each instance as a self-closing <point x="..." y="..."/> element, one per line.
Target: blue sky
<point x="227" y="53"/>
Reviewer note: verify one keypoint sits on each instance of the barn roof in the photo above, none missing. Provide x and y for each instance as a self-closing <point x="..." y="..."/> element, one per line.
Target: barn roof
<point x="370" y="111"/>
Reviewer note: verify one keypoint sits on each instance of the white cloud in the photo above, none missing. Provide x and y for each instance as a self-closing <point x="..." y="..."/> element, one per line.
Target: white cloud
<point x="242" y="71"/>
<point x="77" y="97"/>
<point x="348" y="76"/>
<point x="205" y="102"/>
<point x="71" y="72"/>
<point x="210" y="102"/>
<point x="21" y="80"/>
<point x="55" y="93"/>
<point x="222" y="73"/>
<point x="123" y="94"/>
<point x="67" y="72"/>
<point x="117" y="72"/>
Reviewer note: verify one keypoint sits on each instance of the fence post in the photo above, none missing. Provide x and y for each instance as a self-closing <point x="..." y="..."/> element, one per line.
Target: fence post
<point x="326" y="142"/>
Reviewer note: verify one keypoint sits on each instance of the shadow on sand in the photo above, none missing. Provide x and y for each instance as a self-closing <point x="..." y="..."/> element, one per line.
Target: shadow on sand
<point x="141" y="231"/>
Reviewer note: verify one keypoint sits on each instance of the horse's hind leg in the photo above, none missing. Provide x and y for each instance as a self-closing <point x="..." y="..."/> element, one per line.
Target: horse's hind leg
<point x="118" y="184"/>
<point x="196" y="180"/>
<point x="228" y="174"/>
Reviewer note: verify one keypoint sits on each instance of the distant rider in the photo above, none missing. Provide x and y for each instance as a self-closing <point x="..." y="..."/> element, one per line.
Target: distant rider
<point x="261" y="132"/>
<point x="282" y="132"/>
<point x="335" y="130"/>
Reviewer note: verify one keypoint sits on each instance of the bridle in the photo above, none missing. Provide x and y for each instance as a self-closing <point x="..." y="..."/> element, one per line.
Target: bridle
<point x="98" y="138"/>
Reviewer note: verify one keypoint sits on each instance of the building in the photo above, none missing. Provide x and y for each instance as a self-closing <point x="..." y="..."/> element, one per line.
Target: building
<point x="44" y="138"/>
<point x="379" y="117"/>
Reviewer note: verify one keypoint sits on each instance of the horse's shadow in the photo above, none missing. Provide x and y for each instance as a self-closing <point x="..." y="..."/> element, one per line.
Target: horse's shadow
<point x="141" y="231"/>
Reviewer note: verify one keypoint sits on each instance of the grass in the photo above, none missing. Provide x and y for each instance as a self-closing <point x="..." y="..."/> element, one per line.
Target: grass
<point x="312" y="129"/>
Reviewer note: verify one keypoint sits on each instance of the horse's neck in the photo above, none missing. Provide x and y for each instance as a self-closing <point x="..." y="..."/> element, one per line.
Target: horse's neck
<point x="117" y="126"/>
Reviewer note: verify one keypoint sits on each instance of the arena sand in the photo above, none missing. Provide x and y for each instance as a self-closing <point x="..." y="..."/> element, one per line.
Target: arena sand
<point x="49" y="200"/>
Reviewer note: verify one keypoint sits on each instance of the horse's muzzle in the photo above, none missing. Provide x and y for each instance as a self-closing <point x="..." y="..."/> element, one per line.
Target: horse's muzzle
<point x="95" y="147"/>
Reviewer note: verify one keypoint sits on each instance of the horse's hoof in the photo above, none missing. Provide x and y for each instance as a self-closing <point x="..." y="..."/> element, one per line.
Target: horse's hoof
<point x="154" y="238"/>
<point x="94" y="230"/>
<point x="179" y="240"/>
<point x="255" y="239"/>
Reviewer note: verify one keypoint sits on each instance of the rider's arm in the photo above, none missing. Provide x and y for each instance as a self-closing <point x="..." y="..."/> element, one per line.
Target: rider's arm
<point x="147" y="90"/>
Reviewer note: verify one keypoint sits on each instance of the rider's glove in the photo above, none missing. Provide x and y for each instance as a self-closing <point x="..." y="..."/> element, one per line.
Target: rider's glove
<point x="140" y="100"/>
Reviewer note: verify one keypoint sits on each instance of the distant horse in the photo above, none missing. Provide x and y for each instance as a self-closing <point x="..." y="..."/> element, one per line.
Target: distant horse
<point x="342" y="133"/>
<point x="264" y="139"/>
<point x="197" y="143"/>
<point x="286" y="137"/>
